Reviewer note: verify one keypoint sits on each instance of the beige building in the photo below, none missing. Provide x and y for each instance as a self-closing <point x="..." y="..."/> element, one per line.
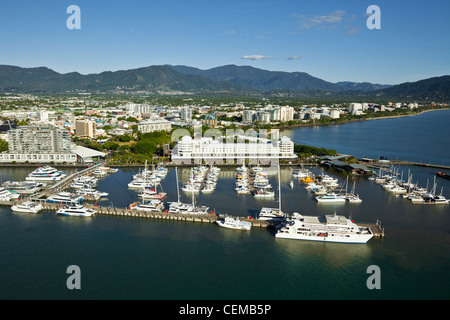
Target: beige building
<point x="85" y="129"/>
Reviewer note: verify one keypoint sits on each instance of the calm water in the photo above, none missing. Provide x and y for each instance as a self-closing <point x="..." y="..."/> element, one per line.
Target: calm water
<point x="137" y="258"/>
<point x="420" y="138"/>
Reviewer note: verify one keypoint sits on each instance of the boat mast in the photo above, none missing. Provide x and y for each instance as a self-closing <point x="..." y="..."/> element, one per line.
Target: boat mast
<point x="279" y="188"/>
<point x="178" y="190"/>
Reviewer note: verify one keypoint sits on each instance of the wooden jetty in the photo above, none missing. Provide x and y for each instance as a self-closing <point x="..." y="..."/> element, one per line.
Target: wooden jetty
<point x="113" y="211"/>
<point x="376" y="228"/>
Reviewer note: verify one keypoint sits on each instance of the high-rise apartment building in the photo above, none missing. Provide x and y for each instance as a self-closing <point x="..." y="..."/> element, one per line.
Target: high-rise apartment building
<point x="42" y="143"/>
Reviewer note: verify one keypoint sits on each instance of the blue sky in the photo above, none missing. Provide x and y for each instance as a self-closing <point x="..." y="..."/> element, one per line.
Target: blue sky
<point x="327" y="39"/>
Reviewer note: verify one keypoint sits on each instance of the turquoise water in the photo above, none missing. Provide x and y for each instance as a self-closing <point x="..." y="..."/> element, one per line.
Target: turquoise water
<point x="137" y="258"/>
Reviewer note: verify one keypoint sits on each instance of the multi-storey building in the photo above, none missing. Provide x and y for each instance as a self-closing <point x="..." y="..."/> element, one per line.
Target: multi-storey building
<point x="42" y="143"/>
<point x="207" y="148"/>
<point x="85" y="128"/>
<point x="152" y="125"/>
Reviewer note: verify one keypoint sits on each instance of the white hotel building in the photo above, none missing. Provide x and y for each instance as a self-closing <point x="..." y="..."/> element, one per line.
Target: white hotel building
<point x="207" y="148"/>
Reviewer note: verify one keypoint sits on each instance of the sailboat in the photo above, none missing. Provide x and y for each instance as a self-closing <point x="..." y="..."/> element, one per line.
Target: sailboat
<point x="154" y="205"/>
<point x="273" y="215"/>
<point x="353" y="197"/>
<point x="185" y="208"/>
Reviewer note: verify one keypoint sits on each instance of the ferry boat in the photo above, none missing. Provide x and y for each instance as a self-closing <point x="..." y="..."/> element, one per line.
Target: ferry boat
<point x="65" y="198"/>
<point x="23" y="187"/>
<point x="75" y="210"/>
<point x="234" y="223"/>
<point x="328" y="228"/>
<point x="45" y="173"/>
<point x="330" y="197"/>
<point x="28" y="207"/>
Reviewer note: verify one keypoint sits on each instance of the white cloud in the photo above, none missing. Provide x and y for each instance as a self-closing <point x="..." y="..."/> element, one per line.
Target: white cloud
<point x="294" y="58"/>
<point x="256" y="57"/>
<point x="321" y="21"/>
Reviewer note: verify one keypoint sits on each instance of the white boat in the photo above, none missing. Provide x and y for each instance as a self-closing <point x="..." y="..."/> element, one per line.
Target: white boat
<point x="330" y="197"/>
<point x="137" y="184"/>
<point x="45" y="173"/>
<point x="291" y="184"/>
<point x="28" y="207"/>
<point x="149" y="206"/>
<point x="151" y="194"/>
<point x="353" y="198"/>
<point x="186" y="208"/>
<point x="75" y="210"/>
<point x="234" y="223"/>
<point x="263" y="193"/>
<point x="271" y="215"/>
<point x="65" y="198"/>
<point x="328" y="228"/>
<point x="23" y="187"/>
<point x="91" y="194"/>
<point x="6" y="195"/>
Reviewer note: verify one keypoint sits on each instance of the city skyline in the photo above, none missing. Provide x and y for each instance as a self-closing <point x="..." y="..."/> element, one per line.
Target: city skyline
<point x="328" y="40"/>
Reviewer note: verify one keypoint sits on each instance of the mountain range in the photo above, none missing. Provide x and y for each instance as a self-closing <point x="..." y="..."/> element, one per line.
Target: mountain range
<point x="229" y="79"/>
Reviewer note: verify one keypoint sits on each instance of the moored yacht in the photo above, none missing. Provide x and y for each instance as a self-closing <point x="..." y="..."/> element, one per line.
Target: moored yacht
<point x="150" y="206"/>
<point x="330" y="197"/>
<point x="234" y="223"/>
<point x="23" y="187"/>
<point x="65" y="198"/>
<point x="45" y="173"/>
<point x="6" y="195"/>
<point x="271" y="215"/>
<point x="28" y="207"/>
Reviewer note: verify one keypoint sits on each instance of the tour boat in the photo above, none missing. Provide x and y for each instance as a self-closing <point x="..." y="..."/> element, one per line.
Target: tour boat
<point x="28" y="207"/>
<point x="234" y="223"/>
<point x="328" y="228"/>
<point x="75" y="210"/>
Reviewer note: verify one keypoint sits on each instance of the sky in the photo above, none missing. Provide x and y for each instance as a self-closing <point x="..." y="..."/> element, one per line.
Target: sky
<point x="328" y="39"/>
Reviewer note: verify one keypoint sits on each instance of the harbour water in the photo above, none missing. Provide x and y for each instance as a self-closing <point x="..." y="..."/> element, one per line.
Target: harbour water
<point x="138" y="258"/>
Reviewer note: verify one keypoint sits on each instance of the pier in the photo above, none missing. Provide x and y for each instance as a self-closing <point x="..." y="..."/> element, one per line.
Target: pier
<point x="376" y="228"/>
